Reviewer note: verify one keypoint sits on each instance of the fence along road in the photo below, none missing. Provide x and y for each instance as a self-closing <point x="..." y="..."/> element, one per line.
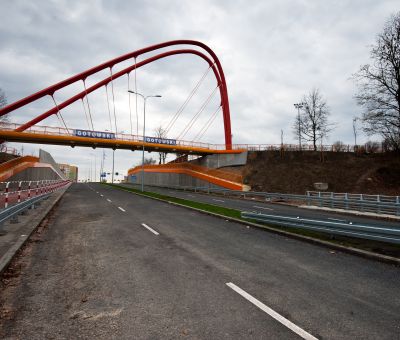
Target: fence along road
<point x="18" y="191"/>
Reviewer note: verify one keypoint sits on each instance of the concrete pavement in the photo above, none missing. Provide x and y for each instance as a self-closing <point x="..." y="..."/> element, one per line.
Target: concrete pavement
<point x="101" y="272"/>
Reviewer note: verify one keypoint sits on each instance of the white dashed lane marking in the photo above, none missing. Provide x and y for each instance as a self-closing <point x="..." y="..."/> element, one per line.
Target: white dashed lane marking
<point x="296" y="329"/>
<point x="150" y="229"/>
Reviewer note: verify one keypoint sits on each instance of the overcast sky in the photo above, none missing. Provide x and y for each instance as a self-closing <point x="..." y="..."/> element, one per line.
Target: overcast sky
<point x="273" y="52"/>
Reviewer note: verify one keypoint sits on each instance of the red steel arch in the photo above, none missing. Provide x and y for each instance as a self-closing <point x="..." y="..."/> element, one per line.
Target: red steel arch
<point x="214" y="63"/>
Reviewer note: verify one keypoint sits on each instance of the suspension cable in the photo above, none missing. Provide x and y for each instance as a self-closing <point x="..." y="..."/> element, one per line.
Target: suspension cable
<point x="59" y="115"/>
<point x="86" y="115"/>
<point x="130" y="110"/>
<point x="87" y="100"/>
<point x="108" y="105"/>
<point x="137" y="117"/>
<point x="113" y="97"/>
<point x="197" y="115"/>
<point x="185" y="103"/>
<point x="207" y="125"/>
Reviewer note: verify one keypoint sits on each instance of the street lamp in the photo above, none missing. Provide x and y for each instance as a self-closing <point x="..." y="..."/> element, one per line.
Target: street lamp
<point x="95" y="165"/>
<point x="355" y="130"/>
<point x="299" y="106"/>
<point x="144" y="126"/>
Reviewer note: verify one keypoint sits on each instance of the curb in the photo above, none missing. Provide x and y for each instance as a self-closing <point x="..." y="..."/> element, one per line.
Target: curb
<point x="359" y="252"/>
<point x="13" y="250"/>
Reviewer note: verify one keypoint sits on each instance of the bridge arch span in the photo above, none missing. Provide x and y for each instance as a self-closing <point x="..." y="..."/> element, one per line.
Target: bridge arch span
<point x="213" y="62"/>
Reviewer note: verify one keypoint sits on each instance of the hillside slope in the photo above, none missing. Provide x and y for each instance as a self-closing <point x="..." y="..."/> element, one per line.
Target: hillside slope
<point x="295" y="172"/>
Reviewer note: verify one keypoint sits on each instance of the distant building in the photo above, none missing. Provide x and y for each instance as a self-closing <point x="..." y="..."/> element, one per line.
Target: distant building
<point x="70" y="171"/>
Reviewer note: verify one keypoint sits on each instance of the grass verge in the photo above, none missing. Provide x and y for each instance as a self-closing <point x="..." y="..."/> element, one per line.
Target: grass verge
<point x="366" y="245"/>
<point x="197" y="205"/>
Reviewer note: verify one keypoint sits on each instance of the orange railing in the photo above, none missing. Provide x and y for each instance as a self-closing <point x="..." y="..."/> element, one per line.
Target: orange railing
<point x="13" y="166"/>
<point x="229" y="176"/>
<point x="58" y="131"/>
<point x="221" y="178"/>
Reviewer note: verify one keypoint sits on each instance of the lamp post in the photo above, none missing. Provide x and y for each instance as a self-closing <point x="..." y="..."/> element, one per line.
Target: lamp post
<point x="102" y="166"/>
<point x="299" y="106"/>
<point x="94" y="175"/>
<point x="144" y="126"/>
<point x="112" y="172"/>
<point x="355" y="130"/>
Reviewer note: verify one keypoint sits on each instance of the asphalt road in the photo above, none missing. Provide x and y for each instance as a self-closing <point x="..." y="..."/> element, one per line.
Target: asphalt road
<point x="114" y="265"/>
<point x="270" y="208"/>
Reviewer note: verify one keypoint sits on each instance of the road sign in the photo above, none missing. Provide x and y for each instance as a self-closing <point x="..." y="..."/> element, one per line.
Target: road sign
<point x="157" y="140"/>
<point x="94" y="134"/>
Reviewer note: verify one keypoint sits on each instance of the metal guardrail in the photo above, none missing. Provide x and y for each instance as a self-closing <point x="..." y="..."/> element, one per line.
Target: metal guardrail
<point x="379" y="204"/>
<point x="19" y="191"/>
<point x="13" y="211"/>
<point x="389" y="205"/>
<point x="363" y="231"/>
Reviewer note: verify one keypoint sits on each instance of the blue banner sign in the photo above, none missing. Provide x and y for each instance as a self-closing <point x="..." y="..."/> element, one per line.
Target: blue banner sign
<point x="94" y="134"/>
<point x="157" y="140"/>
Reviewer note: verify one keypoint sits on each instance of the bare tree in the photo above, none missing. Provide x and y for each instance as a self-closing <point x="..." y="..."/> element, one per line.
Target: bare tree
<point x="3" y="98"/>
<point x="3" y="102"/>
<point x="379" y="85"/>
<point x="149" y="161"/>
<point x="161" y="133"/>
<point x="312" y="124"/>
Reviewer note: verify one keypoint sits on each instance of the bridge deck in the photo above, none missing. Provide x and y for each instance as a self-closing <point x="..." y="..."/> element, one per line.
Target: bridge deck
<point x="60" y="136"/>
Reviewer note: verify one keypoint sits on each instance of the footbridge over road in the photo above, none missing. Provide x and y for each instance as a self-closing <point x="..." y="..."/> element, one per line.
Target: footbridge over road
<point x="97" y="139"/>
<point x="92" y="130"/>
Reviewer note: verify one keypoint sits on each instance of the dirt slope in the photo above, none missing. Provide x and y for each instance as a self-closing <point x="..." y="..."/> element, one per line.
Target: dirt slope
<point x="295" y="172"/>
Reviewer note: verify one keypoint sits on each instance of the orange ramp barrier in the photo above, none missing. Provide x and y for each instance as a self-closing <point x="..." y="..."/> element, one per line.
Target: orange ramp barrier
<point x="16" y="165"/>
<point x="223" y="179"/>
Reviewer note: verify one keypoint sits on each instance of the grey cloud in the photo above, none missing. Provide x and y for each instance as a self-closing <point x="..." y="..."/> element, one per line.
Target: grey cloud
<point x="272" y="53"/>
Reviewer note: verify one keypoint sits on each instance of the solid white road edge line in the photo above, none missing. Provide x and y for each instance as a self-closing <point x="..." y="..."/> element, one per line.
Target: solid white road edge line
<point x="296" y="329"/>
<point x="109" y="200"/>
<point x="256" y="206"/>
<point x="122" y="209"/>
<point x="150" y="229"/>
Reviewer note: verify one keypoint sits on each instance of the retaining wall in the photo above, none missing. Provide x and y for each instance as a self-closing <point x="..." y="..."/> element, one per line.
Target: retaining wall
<point x="35" y="174"/>
<point x="169" y="179"/>
<point x="45" y="157"/>
<point x="221" y="160"/>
